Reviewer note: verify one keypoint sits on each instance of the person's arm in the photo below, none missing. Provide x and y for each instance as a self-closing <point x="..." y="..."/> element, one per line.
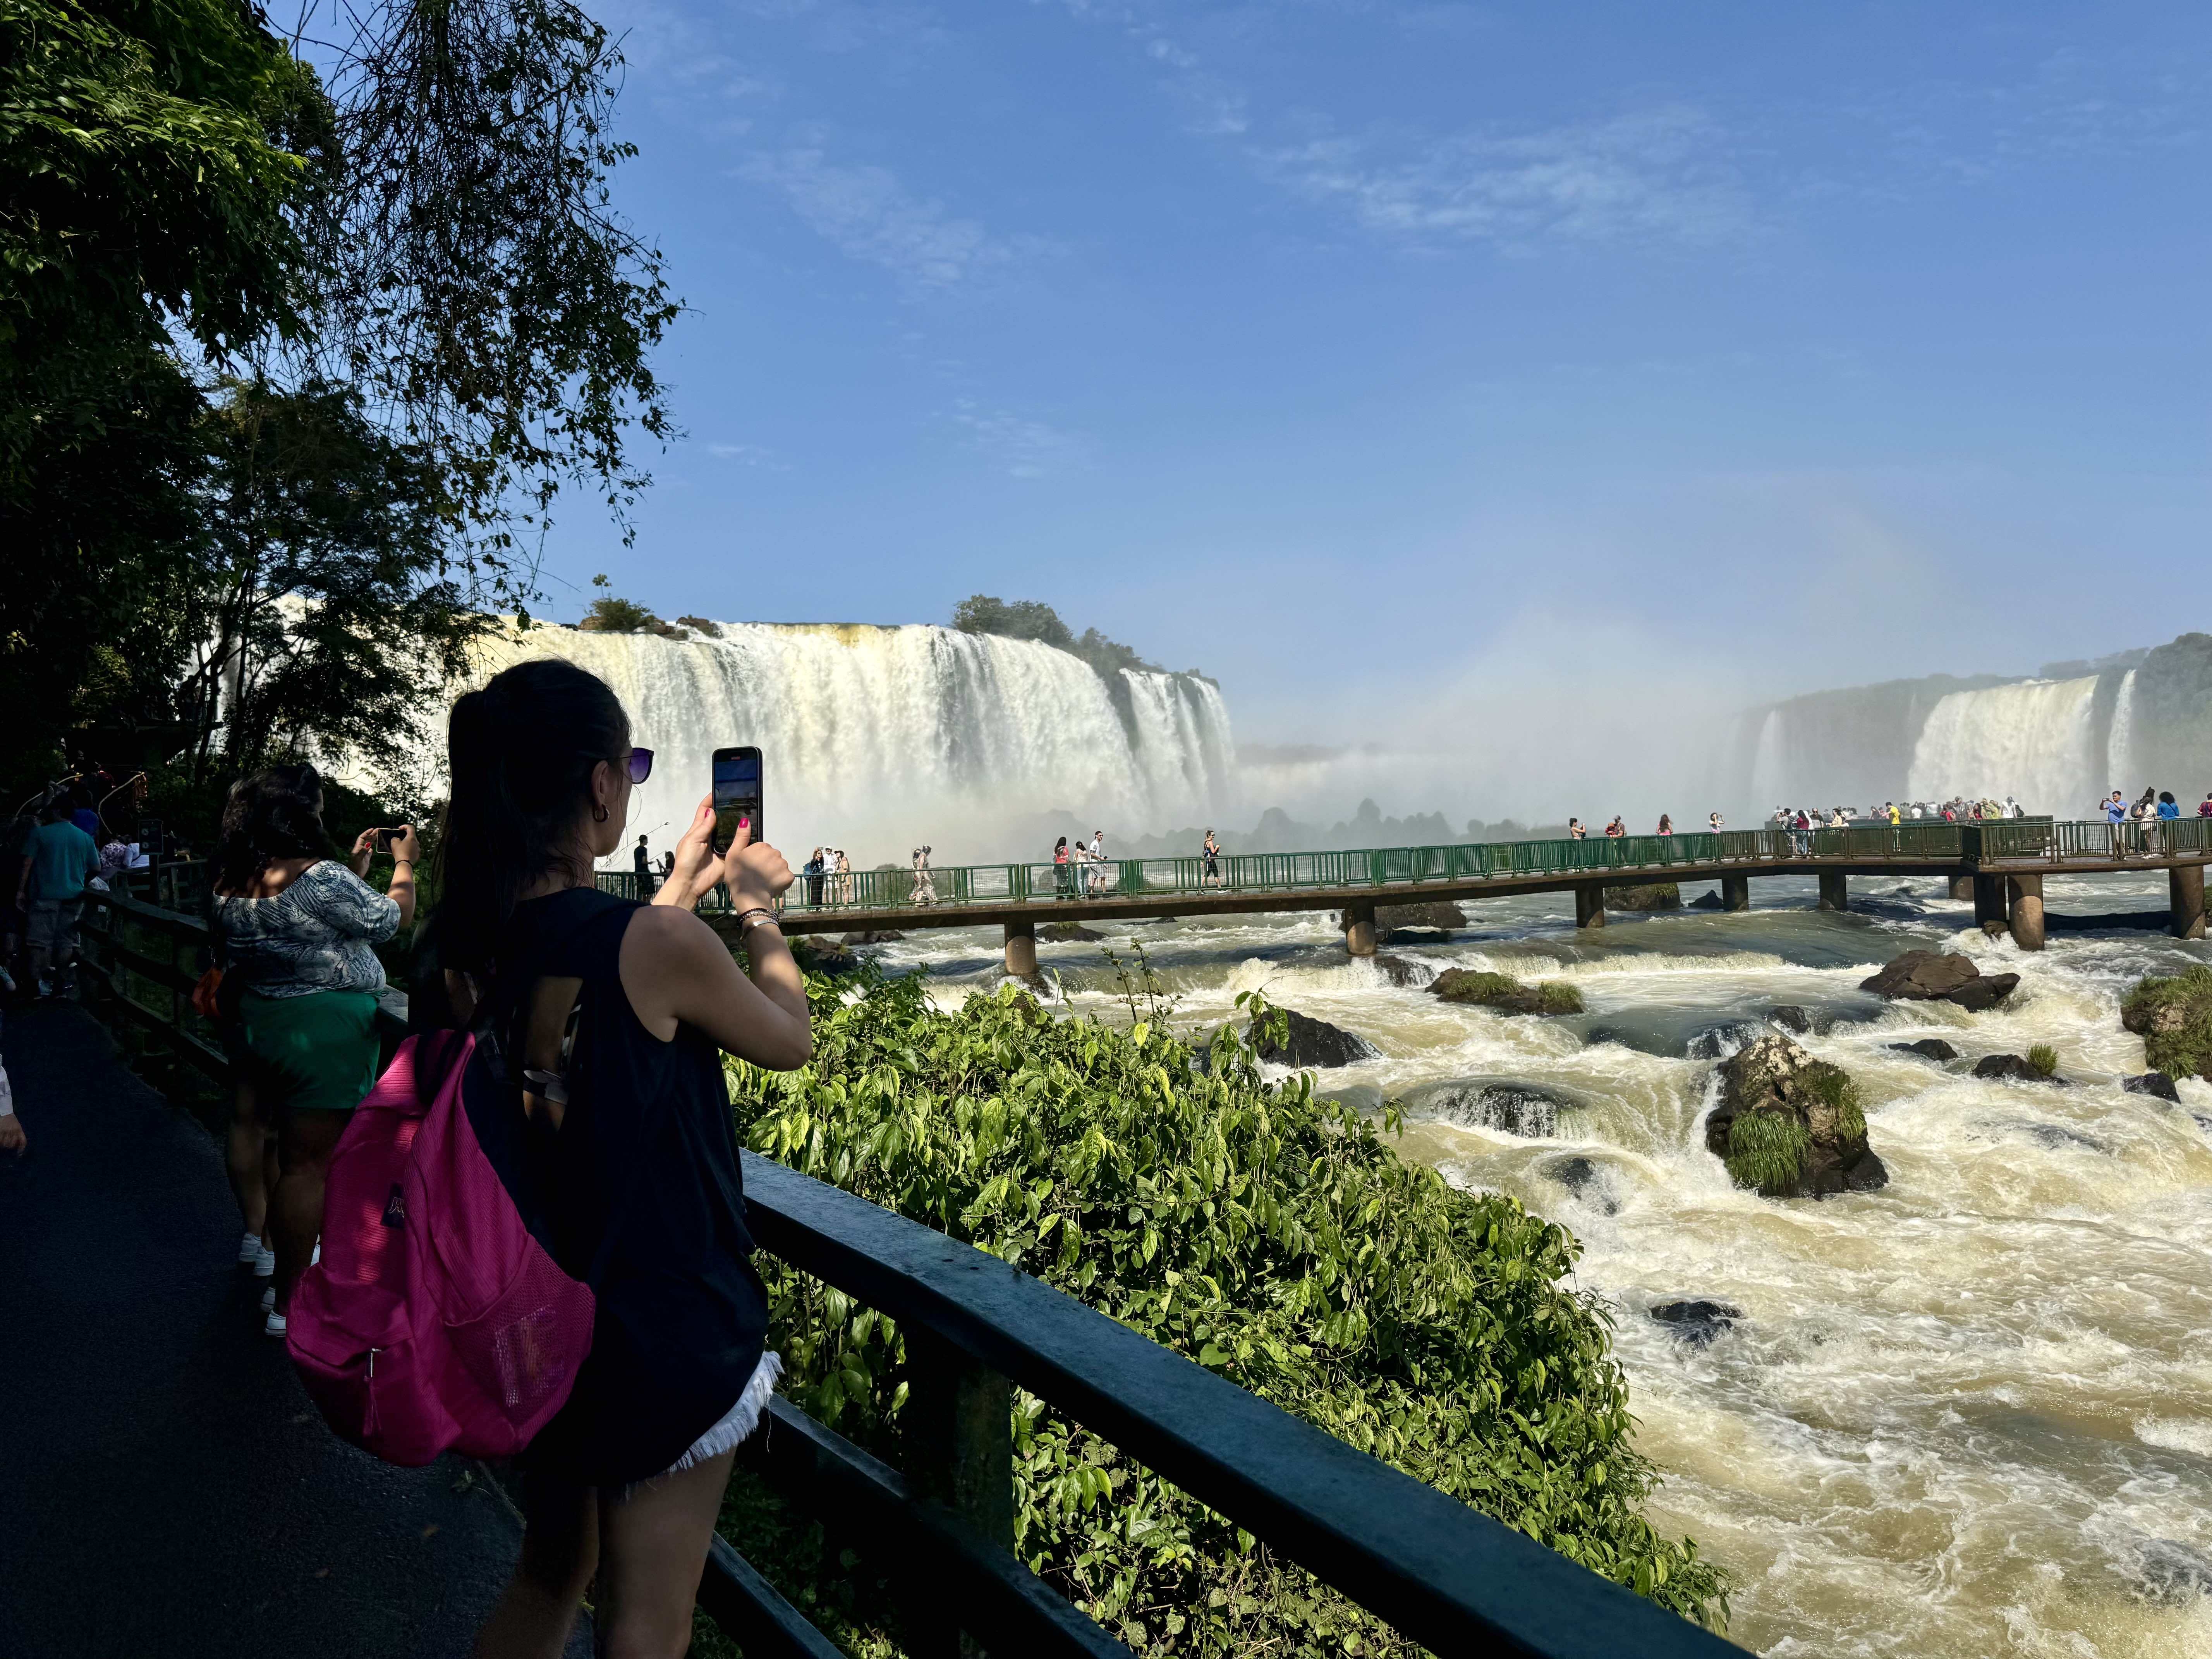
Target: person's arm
<point x="346" y="904"/>
<point x="696" y="870"/>
<point x="406" y="853"/>
<point x="364" y="849"/>
<point x="676" y="970"/>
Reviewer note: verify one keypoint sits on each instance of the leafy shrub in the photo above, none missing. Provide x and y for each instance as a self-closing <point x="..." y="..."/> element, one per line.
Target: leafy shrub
<point x="2044" y="1059"/>
<point x="1556" y="996"/>
<point x="1767" y="1150"/>
<point x="2174" y="1017"/>
<point x="1269" y="1235"/>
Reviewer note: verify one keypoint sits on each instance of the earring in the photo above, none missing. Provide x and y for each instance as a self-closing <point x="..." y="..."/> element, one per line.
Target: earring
<point x="599" y="812"/>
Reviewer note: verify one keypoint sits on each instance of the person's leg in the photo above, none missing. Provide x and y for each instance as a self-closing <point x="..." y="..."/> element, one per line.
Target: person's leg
<point x="652" y="1549"/>
<point x="560" y="1551"/>
<point x="249" y="1154"/>
<point x="305" y="1141"/>
<point x="45" y="913"/>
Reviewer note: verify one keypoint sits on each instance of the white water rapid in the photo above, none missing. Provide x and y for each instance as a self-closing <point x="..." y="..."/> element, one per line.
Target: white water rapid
<point x="2035" y="739"/>
<point x="878" y="739"/>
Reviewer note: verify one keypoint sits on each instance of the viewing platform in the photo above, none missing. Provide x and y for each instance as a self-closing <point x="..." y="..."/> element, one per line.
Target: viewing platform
<point x="2002" y="864"/>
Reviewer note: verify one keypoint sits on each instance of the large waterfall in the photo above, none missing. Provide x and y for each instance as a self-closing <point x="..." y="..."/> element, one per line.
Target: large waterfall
<point x="2035" y="739"/>
<point x="878" y="739"/>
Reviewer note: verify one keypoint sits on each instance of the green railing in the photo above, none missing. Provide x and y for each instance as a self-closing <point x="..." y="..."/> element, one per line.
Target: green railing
<point x="1630" y="858"/>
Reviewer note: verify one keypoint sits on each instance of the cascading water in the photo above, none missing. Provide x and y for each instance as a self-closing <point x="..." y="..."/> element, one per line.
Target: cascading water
<point x="877" y="739"/>
<point x="2035" y="740"/>
<point x="2119" y="748"/>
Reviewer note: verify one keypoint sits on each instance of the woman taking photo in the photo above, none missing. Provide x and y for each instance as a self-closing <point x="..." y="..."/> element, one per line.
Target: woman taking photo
<point x="619" y="1014"/>
<point x="297" y="927"/>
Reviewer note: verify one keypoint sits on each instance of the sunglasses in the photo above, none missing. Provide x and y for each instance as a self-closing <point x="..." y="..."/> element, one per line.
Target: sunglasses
<point x="640" y="765"/>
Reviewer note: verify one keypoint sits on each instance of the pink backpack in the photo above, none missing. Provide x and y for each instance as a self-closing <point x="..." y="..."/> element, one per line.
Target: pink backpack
<point x="435" y="1320"/>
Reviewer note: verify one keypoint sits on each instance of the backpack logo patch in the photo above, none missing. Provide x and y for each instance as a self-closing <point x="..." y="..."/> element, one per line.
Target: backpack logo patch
<point x="395" y="1208"/>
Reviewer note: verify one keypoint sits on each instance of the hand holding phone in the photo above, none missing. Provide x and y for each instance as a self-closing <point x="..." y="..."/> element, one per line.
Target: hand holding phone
<point x="736" y="796"/>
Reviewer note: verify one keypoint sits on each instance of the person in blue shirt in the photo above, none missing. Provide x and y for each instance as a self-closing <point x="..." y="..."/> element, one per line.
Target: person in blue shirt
<point x="62" y="860"/>
<point x="2167" y="806"/>
<point x="2116" y="808"/>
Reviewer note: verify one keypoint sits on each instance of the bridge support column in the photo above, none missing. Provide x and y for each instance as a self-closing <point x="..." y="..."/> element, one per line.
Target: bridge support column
<point x="1835" y="891"/>
<point x="2026" y="893"/>
<point x="1021" y="949"/>
<point x="1989" y="899"/>
<point x="1359" y="929"/>
<point x="1589" y="905"/>
<point x="1736" y="892"/>
<point x="1962" y="889"/>
<point x="2185" y="887"/>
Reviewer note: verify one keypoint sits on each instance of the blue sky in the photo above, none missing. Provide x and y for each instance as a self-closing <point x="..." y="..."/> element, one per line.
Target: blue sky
<point x="1349" y="350"/>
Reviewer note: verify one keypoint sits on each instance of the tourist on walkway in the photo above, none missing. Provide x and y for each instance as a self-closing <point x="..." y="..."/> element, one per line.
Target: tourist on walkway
<point x="642" y="1189"/>
<point x="925" y="888"/>
<point x="844" y="878"/>
<point x="1666" y="824"/>
<point x="1212" y="853"/>
<point x="1617" y="828"/>
<point x="641" y="861"/>
<point x="297" y="928"/>
<point x="50" y="890"/>
<point x="1576" y="830"/>
<point x="2204" y="806"/>
<point x="1713" y="821"/>
<point x="813" y="870"/>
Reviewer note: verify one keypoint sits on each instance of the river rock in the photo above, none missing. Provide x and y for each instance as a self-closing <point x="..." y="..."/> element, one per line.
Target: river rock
<point x="1928" y="1049"/>
<point x="1789" y="1125"/>
<point x="1505" y="994"/>
<point x="1696" y="1323"/>
<point x="1935" y="976"/>
<point x="873" y="936"/>
<point x="1441" y="916"/>
<point x="1584" y="1178"/>
<point x="1791" y="1017"/>
<point x="2174" y="1017"/>
<point x="819" y="956"/>
<point x="1709" y="900"/>
<point x="1647" y="896"/>
<point x="1314" y="1043"/>
<point x="1719" y="1042"/>
<point x="2153" y="1082"/>
<point x="1509" y="1107"/>
<point x="1404" y="970"/>
<point x="2011" y="1068"/>
<point x="1063" y="933"/>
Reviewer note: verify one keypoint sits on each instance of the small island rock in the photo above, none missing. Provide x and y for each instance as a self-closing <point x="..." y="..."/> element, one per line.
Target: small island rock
<point x="1935" y="976"/>
<point x="1928" y="1049"/>
<point x="1648" y="896"/>
<point x="1789" y="1125"/>
<point x="1311" y="1041"/>
<point x="1506" y="993"/>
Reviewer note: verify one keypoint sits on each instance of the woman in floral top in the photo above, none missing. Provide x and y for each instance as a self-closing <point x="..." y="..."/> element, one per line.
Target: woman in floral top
<point x="299" y="928"/>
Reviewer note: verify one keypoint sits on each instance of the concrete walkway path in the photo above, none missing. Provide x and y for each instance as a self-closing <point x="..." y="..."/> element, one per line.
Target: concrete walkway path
<point x="166" y="1486"/>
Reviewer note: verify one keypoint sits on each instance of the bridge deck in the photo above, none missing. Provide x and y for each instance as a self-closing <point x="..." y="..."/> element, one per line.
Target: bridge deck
<point x="168" y="1485"/>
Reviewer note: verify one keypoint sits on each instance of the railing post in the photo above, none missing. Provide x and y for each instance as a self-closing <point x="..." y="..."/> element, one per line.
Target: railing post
<point x="958" y="1427"/>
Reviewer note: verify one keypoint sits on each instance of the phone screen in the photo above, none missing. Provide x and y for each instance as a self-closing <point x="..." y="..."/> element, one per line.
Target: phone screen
<point x="737" y="794"/>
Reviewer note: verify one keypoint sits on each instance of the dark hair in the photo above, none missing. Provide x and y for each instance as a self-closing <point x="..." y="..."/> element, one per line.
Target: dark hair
<point x="274" y="814"/>
<point x="2165" y="796"/>
<point x="520" y="753"/>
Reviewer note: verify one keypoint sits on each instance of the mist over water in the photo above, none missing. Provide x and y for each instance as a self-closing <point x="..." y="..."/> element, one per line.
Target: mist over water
<point x="1968" y="1414"/>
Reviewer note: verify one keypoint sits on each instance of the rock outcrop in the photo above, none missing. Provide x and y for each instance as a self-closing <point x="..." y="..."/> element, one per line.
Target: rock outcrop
<point x="818" y="956"/>
<point x="873" y="936"/>
<point x="1310" y="1041"/>
<point x="1510" y="1107"/>
<point x="2011" y="1068"/>
<point x="1928" y="1049"/>
<point x="1709" y="900"/>
<point x="1650" y="895"/>
<point x="1791" y="1017"/>
<point x="1719" y="1042"/>
<point x="1586" y="1180"/>
<point x="1789" y="1125"/>
<point x="1442" y="916"/>
<point x="1403" y="970"/>
<point x="2174" y="1017"/>
<point x="1934" y="976"/>
<point x="1062" y="932"/>
<point x="1506" y="993"/>
<point x="1696" y="1323"/>
<point x="2156" y="1084"/>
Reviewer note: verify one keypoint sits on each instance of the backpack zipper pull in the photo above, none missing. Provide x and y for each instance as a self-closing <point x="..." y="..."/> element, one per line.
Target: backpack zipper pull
<point x="373" y="1352"/>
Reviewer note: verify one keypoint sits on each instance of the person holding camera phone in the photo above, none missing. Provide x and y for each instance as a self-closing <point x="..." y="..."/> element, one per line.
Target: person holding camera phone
<point x="620" y="1013"/>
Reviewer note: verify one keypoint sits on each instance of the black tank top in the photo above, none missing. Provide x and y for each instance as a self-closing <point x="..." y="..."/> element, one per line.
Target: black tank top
<point x="644" y="1199"/>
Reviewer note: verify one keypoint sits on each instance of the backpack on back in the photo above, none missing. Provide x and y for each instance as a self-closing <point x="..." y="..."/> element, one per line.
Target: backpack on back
<point x="435" y="1320"/>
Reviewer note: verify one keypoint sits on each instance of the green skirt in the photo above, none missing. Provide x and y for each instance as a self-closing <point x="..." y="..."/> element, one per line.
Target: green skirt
<point x="315" y="1053"/>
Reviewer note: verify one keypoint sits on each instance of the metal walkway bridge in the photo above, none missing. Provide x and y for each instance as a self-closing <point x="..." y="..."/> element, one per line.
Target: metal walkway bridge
<point x="2003" y="862"/>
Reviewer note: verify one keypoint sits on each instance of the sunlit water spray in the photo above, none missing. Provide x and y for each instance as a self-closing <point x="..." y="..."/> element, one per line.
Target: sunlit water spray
<point x="1968" y="1414"/>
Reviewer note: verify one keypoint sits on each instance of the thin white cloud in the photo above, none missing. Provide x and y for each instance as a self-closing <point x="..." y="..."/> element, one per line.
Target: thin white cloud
<point x="756" y="455"/>
<point x="1660" y="174"/>
<point x="1024" y="448"/>
<point x="868" y="215"/>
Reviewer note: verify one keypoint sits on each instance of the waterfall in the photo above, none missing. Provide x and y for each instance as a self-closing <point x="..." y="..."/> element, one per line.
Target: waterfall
<point x="2119" y="747"/>
<point x="878" y="739"/>
<point x="2034" y="740"/>
<point x="1770" y="780"/>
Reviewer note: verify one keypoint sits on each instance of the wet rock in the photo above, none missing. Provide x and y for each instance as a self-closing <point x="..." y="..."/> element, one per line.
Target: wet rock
<point x="2011" y="1068"/>
<point x="1438" y="917"/>
<point x="1507" y="1107"/>
<point x="1993" y="929"/>
<point x="1585" y="1180"/>
<point x="1789" y="1125"/>
<point x="1311" y="1041"/>
<point x="1928" y="1049"/>
<point x="1506" y="993"/>
<point x="1935" y="977"/>
<point x="1790" y="1017"/>
<point x="1649" y="896"/>
<point x="1403" y="970"/>
<point x="2173" y="1573"/>
<point x="1063" y="933"/>
<point x="2174" y="1017"/>
<point x="1708" y="901"/>
<point x="2153" y="1082"/>
<point x="2055" y="1137"/>
<point x="819" y="956"/>
<point x="1719" y="1042"/>
<point x="1696" y="1323"/>
<point x="873" y="936"/>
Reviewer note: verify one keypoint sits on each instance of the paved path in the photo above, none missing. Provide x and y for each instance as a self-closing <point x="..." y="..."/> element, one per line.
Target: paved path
<point x="166" y="1486"/>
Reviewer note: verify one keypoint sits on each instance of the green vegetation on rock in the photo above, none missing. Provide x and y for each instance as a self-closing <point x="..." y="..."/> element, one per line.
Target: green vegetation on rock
<point x="1649" y="896"/>
<point x="1506" y="993"/>
<point x="1270" y="1235"/>
<point x="2174" y="1017"/>
<point x="1767" y="1150"/>
<point x="2044" y="1059"/>
<point x="1838" y="1091"/>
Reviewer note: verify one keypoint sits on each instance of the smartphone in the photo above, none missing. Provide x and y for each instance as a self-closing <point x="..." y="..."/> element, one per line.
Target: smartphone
<point x="384" y="839"/>
<point x="737" y="794"/>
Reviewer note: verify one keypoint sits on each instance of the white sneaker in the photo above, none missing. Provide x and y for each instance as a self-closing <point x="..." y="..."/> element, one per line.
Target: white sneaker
<point x="317" y="1256"/>
<point x="264" y="1262"/>
<point x="268" y="1300"/>
<point x="249" y="1250"/>
<point x="273" y="1325"/>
